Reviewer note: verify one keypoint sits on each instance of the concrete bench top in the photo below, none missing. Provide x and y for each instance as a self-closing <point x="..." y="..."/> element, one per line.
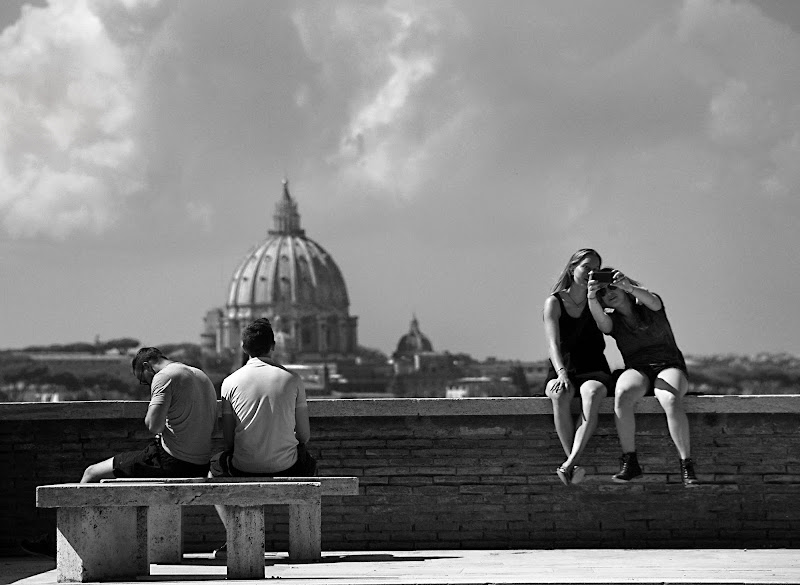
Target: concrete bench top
<point x="331" y="486"/>
<point x="74" y="495"/>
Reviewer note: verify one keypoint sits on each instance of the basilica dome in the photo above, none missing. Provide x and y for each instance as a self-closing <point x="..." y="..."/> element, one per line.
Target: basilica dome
<point x="291" y="280"/>
<point x="286" y="270"/>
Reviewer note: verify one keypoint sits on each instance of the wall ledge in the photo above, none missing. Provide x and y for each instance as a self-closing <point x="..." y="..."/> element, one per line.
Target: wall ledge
<point x="392" y="407"/>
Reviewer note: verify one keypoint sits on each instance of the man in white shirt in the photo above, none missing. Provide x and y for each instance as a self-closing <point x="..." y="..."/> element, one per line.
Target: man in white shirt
<point x="264" y="415"/>
<point x="264" y="418"/>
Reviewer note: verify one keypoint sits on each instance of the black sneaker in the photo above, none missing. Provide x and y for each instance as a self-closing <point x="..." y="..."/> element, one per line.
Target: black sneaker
<point x="687" y="473"/>
<point x="628" y="469"/>
<point x="44" y="546"/>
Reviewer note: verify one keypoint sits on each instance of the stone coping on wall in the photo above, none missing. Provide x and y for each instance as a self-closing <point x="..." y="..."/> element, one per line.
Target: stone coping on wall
<point x="378" y="407"/>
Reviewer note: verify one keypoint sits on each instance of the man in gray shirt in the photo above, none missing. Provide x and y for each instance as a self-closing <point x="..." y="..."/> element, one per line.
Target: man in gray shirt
<point x="182" y="415"/>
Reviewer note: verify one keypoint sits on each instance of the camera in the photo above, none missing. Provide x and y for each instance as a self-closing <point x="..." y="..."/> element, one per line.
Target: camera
<point x="603" y="275"/>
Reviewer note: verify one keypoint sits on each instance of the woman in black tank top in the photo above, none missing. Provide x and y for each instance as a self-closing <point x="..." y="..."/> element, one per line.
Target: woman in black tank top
<point x="576" y="347"/>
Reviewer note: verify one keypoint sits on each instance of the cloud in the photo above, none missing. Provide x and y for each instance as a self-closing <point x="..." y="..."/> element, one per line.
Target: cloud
<point x="753" y="73"/>
<point x="69" y="150"/>
<point x="390" y="53"/>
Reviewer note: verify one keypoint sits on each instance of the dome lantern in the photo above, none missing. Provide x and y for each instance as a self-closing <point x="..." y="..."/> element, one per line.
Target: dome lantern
<point x="286" y="218"/>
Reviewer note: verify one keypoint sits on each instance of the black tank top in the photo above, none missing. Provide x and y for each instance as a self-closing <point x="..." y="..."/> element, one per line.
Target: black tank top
<point x="582" y="343"/>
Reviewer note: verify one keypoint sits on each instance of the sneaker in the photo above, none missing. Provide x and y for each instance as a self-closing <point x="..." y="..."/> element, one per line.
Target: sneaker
<point x="221" y="552"/>
<point x="629" y="468"/>
<point x="44" y="546"/>
<point x="571" y="477"/>
<point x="687" y="473"/>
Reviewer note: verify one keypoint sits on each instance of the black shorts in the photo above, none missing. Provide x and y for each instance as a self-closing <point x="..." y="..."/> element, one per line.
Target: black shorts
<point x="578" y="379"/>
<point x="651" y="372"/>
<point x="154" y="461"/>
<point x="305" y="466"/>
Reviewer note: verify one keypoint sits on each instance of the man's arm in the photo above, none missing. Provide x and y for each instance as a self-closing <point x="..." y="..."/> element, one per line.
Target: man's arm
<point x="156" y="418"/>
<point x="302" y="428"/>
<point x="228" y="429"/>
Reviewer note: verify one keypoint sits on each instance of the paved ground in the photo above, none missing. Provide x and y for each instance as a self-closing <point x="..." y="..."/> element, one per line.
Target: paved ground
<point x="597" y="566"/>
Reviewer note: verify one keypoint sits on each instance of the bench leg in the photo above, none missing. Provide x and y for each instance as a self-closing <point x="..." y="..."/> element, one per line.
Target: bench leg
<point x="305" y="531"/>
<point x="245" y="527"/>
<point x="165" y="534"/>
<point x="98" y="543"/>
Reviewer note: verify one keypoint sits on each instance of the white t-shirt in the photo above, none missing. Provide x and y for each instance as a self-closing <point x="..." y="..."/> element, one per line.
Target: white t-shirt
<point x="263" y="399"/>
<point x="192" y="411"/>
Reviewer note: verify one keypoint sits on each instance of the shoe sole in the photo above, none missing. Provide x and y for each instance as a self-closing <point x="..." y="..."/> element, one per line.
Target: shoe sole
<point x="620" y="480"/>
<point x="563" y="476"/>
<point x="578" y="475"/>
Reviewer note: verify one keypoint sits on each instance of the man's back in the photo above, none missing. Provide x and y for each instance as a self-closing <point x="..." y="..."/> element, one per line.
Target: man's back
<point x="192" y="411"/>
<point x="263" y="399"/>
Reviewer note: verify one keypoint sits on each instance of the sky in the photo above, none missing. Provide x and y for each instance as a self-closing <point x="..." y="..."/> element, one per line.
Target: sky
<point x="450" y="156"/>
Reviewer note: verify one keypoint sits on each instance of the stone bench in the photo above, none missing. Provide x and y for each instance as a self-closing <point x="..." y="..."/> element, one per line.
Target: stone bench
<point x="165" y="523"/>
<point x="102" y="528"/>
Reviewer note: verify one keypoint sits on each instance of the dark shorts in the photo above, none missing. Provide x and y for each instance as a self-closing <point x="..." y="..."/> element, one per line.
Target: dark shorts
<point x="578" y="379"/>
<point x="651" y="372"/>
<point x="154" y="461"/>
<point x="305" y="466"/>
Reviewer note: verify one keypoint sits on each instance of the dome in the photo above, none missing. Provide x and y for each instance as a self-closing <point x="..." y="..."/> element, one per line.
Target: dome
<point x="292" y="281"/>
<point x="287" y="270"/>
<point x="413" y="342"/>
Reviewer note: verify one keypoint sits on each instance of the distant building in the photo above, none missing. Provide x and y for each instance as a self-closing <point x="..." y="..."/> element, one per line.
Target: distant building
<point x="419" y="371"/>
<point x="294" y="282"/>
<point x="291" y="280"/>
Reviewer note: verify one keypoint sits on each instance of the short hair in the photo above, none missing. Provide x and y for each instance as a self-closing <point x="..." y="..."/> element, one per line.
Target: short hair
<point x="146" y="354"/>
<point x="258" y="337"/>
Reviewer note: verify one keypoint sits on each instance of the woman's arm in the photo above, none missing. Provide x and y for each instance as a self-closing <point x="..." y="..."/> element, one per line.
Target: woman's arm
<point x="604" y="322"/>
<point x="552" y="313"/>
<point x="644" y="296"/>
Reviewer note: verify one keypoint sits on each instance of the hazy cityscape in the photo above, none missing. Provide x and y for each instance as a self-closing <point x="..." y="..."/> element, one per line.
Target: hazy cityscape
<point x="292" y="280"/>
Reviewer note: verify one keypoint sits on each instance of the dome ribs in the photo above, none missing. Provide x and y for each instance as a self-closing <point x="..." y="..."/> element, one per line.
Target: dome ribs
<point x="290" y="243"/>
<point x="257" y="272"/>
<point x="289" y="275"/>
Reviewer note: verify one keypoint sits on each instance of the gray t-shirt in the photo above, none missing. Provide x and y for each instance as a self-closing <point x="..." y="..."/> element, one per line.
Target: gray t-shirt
<point x="192" y="411"/>
<point x="263" y="399"/>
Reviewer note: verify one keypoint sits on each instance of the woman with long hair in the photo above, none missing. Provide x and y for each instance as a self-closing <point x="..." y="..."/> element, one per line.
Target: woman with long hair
<point x="636" y="319"/>
<point x="576" y="347"/>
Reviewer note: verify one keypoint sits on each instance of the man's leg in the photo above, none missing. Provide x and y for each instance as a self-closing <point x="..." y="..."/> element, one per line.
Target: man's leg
<point x="103" y="470"/>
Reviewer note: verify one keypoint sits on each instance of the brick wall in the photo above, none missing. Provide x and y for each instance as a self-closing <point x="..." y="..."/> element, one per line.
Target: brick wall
<point x="469" y="473"/>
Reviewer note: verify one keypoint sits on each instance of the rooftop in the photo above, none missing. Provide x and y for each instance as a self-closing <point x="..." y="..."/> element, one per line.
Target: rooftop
<point x="599" y="566"/>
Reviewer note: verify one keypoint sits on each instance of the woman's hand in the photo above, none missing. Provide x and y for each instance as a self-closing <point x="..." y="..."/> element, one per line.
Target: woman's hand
<point x="622" y="282"/>
<point x="592" y="288"/>
<point x="562" y="382"/>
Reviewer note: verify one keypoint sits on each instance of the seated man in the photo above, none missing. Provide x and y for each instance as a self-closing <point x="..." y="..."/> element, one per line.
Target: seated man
<point x="264" y="417"/>
<point x="182" y="414"/>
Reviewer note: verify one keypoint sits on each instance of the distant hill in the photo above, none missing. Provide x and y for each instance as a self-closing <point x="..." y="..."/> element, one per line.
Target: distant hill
<point x="102" y="371"/>
<point x="763" y="373"/>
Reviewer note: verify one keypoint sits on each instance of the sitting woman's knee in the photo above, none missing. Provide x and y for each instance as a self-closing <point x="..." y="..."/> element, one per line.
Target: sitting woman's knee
<point x="669" y="401"/>
<point x="593" y="390"/>
<point x="563" y="396"/>
<point x="628" y="394"/>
